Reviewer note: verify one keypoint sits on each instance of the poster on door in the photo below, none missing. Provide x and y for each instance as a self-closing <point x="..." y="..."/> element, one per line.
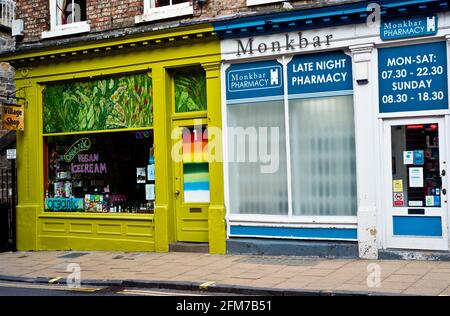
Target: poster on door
<point x="416" y="177"/>
<point x="399" y="199"/>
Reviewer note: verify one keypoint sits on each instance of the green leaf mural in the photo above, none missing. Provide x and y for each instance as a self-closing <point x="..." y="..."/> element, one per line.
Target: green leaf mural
<point x="190" y="90"/>
<point x="118" y="102"/>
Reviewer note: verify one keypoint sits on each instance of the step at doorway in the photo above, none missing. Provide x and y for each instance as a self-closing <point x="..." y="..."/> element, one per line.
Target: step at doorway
<point x="189" y="247"/>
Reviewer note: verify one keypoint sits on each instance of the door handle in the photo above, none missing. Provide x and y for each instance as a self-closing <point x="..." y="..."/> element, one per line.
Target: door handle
<point x="177" y="192"/>
<point x="443" y="173"/>
<point x="444" y="191"/>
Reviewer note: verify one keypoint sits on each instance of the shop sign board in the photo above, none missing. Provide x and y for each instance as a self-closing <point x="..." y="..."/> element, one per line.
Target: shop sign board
<point x="64" y="204"/>
<point x="13" y="117"/>
<point x="409" y="27"/>
<point x="324" y="72"/>
<point x="255" y="80"/>
<point x="413" y="78"/>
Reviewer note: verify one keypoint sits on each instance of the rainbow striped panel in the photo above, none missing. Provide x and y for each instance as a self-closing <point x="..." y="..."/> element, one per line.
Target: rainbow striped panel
<point x="196" y="182"/>
<point x="195" y="145"/>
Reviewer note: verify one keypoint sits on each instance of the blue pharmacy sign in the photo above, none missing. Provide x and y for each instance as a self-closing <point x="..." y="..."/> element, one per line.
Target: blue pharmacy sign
<point x="254" y="80"/>
<point x="320" y="73"/>
<point x="413" y="78"/>
<point x="409" y="27"/>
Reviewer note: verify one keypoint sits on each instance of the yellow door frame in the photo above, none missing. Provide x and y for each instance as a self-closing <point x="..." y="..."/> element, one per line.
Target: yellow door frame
<point x="193" y="229"/>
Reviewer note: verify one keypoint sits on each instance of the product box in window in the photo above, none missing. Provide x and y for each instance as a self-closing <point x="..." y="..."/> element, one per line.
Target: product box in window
<point x="93" y="203"/>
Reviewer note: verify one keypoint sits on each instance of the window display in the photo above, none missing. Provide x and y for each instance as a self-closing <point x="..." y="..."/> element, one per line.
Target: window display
<point x="101" y="173"/>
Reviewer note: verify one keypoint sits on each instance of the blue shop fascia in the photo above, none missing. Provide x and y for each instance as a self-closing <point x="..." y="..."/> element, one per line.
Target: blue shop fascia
<point x="335" y="137"/>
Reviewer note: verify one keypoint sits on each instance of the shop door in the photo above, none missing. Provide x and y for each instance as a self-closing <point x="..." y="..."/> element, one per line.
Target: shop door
<point x="191" y="185"/>
<point x="416" y="208"/>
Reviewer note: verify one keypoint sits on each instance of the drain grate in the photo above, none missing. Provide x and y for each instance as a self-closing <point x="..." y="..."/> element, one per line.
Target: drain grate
<point x="281" y="260"/>
<point x="73" y="255"/>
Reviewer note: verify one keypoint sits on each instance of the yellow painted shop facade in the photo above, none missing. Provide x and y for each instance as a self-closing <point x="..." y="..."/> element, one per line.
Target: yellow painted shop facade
<point x="95" y="160"/>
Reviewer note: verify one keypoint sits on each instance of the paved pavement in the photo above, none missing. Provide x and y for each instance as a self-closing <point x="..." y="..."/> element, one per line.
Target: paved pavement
<point x="27" y="289"/>
<point x="241" y="274"/>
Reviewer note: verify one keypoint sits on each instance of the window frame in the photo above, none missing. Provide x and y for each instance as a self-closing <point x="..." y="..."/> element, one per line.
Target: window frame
<point x="261" y="2"/>
<point x="289" y="220"/>
<point x="63" y="29"/>
<point x="164" y="12"/>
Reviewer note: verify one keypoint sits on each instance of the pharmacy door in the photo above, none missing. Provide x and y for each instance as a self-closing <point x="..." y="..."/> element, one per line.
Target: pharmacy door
<point x="191" y="185"/>
<point x="415" y="165"/>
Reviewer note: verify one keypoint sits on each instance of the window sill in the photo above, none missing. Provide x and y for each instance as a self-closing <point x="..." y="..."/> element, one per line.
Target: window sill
<point x="165" y="13"/>
<point x="67" y="29"/>
<point x="91" y="216"/>
<point x="259" y="2"/>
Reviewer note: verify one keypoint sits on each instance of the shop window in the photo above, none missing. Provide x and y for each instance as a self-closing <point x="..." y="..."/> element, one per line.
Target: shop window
<point x="190" y="90"/>
<point x="323" y="163"/>
<point x="70" y="11"/>
<point x="165" y="3"/>
<point x="297" y="165"/>
<point x="259" y="2"/>
<point x="103" y="104"/>
<point x="67" y="17"/>
<point x="100" y="173"/>
<point x="253" y="189"/>
<point x="164" y="9"/>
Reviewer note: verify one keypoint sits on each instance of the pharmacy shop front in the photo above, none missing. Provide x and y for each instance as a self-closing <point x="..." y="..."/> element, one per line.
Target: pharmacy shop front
<point x="337" y="138"/>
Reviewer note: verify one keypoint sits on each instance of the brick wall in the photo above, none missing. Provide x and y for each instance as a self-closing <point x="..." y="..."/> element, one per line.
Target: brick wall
<point x="216" y="8"/>
<point x="105" y="15"/>
<point x="7" y="87"/>
<point x="36" y="17"/>
<point x="115" y="14"/>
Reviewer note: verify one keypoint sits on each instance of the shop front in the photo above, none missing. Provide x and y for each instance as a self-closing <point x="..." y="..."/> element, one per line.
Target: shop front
<point x="97" y="168"/>
<point x="336" y="130"/>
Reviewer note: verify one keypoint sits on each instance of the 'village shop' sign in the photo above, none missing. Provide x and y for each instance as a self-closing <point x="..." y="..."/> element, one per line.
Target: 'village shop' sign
<point x="13" y="117"/>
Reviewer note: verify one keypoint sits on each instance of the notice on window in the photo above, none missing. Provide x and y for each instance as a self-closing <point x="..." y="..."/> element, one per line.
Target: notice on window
<point x="419" y="157"/>
<point x="399" y="199"/>
<point x="415" y="203"/>
<point x="151" y="172"/>
<point x="150" y="192"/>
<point x="408" y="157"/>
<point x="416" y="177"/>
<point x="429" y="200"/>
<point x="397" y="186"/>
<point x="140" y="174"/>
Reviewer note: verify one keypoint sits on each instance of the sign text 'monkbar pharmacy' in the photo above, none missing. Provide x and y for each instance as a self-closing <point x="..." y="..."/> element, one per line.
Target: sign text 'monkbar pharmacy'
<point x="287" y="43"/>
<point x="409" y="27"/>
